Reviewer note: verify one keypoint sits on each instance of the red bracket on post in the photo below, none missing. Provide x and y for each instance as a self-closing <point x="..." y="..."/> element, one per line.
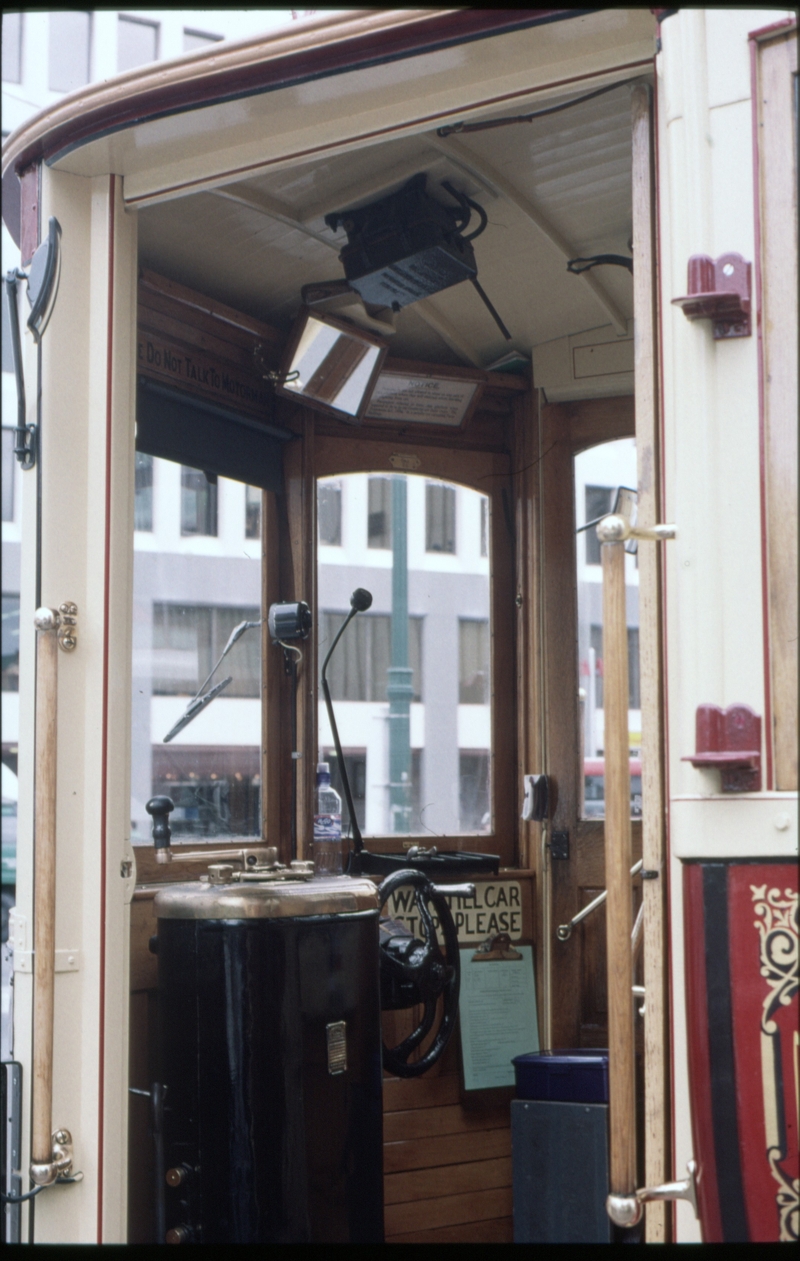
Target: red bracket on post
<point x="719" y="291"/>
<point x="729" y="741"/>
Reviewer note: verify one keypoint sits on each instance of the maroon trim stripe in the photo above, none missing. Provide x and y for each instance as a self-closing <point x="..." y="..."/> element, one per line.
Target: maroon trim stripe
<point x="104" y="768"/>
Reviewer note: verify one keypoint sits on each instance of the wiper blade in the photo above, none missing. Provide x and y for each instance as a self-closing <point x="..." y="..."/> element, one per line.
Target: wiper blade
<point x="195" y="707"/>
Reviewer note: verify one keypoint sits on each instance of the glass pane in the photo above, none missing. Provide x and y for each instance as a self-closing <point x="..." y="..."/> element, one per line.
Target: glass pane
<point x="332" y="366"/>
<point x="9" y="472"/>
<point x="252" y="512"/>
<point x="411" y="678"/>
<point x="12" y="47"/>
<point x="198" y="502"/>
<point x="186" y="604"/>
<point x="10" y="643"/>
<point x="329" y="514"/>
<point x="69" y="50"/>
<point x="137" y="43"/>
<point x="598" y="473"/>
<point x="143" y="501"/>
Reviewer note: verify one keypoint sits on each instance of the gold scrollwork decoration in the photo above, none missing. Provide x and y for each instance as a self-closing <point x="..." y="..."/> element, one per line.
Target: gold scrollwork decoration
<point x="778" y="933"/>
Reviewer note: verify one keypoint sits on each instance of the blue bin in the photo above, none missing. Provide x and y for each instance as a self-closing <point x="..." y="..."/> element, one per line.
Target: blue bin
<point x="568" y="1076"/>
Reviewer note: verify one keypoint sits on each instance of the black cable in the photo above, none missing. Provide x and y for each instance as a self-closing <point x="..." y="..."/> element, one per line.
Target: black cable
<point x="20" y="1199"/>
<point x="454" y="128"/>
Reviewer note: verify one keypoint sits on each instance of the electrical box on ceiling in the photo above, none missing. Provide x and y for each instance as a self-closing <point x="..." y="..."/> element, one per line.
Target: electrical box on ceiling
<point x="405" y="247"/>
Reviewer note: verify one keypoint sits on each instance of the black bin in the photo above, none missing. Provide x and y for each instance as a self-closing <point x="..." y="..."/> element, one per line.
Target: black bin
<point x="559" y="1135"/>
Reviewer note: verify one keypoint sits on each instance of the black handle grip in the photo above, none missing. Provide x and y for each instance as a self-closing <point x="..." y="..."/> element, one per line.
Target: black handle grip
<point x="160" y="808"/>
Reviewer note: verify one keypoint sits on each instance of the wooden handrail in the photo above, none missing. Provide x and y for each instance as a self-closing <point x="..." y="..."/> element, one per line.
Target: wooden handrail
<point x="51" y="1153"/>
<point x="621" y="1080"/>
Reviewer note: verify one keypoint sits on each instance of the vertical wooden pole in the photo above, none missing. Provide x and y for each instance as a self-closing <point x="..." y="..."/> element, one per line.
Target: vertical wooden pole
<point x="622" y="1096"/>
<point x="44" y="905"/>
<point x="656" y="1038"/>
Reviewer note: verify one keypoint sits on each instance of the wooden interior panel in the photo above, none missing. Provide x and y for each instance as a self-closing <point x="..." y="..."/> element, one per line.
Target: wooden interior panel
<point x="778" y="194"/>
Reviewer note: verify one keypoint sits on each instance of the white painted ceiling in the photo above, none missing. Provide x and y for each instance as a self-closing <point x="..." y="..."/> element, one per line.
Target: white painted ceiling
<point x="559" y="186"/>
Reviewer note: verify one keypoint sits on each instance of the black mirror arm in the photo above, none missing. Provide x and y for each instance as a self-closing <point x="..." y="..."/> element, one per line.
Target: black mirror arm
<point x="358" y="843"/>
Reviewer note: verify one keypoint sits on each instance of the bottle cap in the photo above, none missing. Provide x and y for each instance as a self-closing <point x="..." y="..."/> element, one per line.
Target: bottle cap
<point x="323" y="768"/>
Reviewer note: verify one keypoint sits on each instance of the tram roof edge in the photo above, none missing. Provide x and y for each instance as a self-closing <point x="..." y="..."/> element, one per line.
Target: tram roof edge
<point x="322" y="46"/>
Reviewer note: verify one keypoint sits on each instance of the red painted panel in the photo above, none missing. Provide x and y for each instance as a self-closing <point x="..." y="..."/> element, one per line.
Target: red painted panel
<point x="699" y="1057"/>
<point x="762" y="910"/>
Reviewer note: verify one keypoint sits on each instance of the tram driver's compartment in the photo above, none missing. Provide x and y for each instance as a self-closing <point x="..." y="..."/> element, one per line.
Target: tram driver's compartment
<point x="376" y="735"/>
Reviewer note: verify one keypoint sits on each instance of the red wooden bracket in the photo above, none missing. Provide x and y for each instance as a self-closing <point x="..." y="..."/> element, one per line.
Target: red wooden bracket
<point x="729" y="741"/>
<point x="719" y="291"/>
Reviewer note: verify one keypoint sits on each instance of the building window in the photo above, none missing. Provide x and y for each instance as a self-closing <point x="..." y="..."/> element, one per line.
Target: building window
<point x="10" y="637"/>
<point x="473" y="662"/>
<point x="188" y="640"/>
<point x="216" y="790"/>
<point x="143" y="499"/>
<point x="12" y="47"/>
<point x="440" y="518"/>
<point x="9" y="470"/>
<point x="329" y="513"/>
<point x="484" y="527"/>
<point x="473" y="790"/>
<point x="356" y="762"/>
<point x="68" y="54"/>
<point x="252" y="512"/>
<point x="198" y="39"/>
<point x="137" y="43"/>
<point x="198" y="502"/>
<point x="358" y="670"/>
<point x="379" y="512"/>
<point x="598" y="503"/>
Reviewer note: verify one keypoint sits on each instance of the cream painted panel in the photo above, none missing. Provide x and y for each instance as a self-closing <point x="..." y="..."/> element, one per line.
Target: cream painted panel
<point x="203" y="145"/>
<point x="729" y="51"/>
<point x="731" y="162"/>
<point x="748" y="826"/>
<point x="74" y="470"/>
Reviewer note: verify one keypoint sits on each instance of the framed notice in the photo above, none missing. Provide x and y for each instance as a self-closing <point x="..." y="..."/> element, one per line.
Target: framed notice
<point x="497" y="1014"/>
<point x="435" y="396"/>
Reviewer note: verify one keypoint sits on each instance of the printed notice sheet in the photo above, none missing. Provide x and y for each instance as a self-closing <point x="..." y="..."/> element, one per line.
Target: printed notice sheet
<point x="426" y="400"/>
<point x="497" y="1014"/>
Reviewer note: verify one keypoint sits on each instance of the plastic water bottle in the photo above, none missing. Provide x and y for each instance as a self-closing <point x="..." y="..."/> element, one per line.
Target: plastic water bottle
<point x="327" y="826"/>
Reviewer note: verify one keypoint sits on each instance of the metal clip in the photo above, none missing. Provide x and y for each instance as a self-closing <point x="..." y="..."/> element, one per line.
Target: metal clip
<point x="626" y="1210"/>
<point x="68" y="626"/>
<point x="59" y="1167"/>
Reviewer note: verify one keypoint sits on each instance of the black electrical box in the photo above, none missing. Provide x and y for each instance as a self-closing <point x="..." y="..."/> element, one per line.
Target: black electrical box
<point x="404" y="247"/>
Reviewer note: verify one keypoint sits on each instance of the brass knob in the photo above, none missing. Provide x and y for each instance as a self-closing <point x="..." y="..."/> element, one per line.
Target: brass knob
<point x="178" y="1234"/>
<point x="176" y="1176"/>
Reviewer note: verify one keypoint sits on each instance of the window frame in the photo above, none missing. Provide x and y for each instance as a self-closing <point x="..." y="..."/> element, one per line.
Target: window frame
<point x="485" y="467"/>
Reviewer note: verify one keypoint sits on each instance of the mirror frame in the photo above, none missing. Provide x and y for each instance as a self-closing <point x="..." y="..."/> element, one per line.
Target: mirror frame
<point x="351" y="330"/>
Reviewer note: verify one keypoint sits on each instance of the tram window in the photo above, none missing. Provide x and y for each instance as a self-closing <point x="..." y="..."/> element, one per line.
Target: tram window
<point x="598" y="471"/>
<point x="198" y="502"/>
<point x="426" y="758"/>
<point x="329" y="513"/>
<point x="379" y="512"/>
<point x="252" y="512"/>
<point x="189" y="592"/>
<point x="10" y="643"/>
<point x="440" y="518"/>
<point x="12" y="47"/>
<point x="9" y="470"/>
<point x="69" y="47"/>
<point x="143" y="499"/>
<point x="137" y="43"/>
